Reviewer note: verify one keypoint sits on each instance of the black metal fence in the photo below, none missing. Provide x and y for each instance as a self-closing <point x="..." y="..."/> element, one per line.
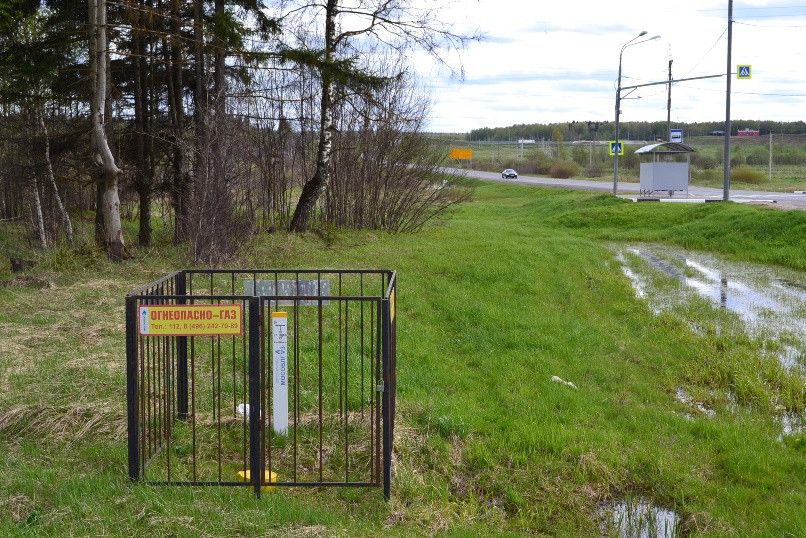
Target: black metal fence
<point x="315" y="356"/>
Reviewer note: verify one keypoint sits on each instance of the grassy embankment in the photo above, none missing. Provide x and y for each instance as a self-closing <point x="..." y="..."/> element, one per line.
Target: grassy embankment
<point x="511" y="289"/>
<point x="788" y="170"/>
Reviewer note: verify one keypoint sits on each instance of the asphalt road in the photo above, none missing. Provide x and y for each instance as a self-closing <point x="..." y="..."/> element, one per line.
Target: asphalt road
<point x="783" y="200"/>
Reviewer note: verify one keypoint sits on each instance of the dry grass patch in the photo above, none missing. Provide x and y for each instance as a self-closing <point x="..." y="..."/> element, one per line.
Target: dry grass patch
<point x="17" y="507"/>
<point x="64" y="423"/>
<point x="12" y="361"/>
<point x="24" y="281"/>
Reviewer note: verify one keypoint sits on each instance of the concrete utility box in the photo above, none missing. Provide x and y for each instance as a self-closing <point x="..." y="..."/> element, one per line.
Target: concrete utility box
<point x="665" y="167"/>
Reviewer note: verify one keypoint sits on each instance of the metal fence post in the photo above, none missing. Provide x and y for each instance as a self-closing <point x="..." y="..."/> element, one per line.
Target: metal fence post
<point x="393" y="362"/>
<point x="255" y="418"/>
<point x="132" y="387"/>
<point x="181" y="355"/>
<point x="387" y="408"/>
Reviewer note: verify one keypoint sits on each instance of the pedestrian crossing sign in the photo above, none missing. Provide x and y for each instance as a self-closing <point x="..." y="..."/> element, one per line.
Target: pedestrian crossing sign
<point x="743" y="71"/>
<point x="616" y="147"/>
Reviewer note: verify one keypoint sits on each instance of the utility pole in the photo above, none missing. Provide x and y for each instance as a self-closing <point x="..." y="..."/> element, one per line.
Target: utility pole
<point x="726" y="156"/>
<point x="669" y="105"/>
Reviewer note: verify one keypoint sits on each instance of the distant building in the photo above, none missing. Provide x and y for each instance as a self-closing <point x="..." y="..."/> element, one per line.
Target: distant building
<point x="748" y="132"/>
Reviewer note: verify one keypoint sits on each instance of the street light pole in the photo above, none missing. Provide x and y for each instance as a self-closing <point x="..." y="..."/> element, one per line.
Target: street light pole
<point x="618" y="103"/>
<point x="618" y="111"/>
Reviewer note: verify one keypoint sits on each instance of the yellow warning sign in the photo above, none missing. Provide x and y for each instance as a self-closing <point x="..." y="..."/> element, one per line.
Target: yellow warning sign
<point x="461" y="154"/>
<point x="191" y="320"/>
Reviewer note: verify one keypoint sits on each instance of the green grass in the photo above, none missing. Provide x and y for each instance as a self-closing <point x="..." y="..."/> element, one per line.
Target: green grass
<point x="511" y="289"/>
<point x="738" y="231"/>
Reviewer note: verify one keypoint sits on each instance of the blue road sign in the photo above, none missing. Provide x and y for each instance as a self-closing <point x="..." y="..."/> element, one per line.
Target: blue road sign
<point x="744" y="71"/>
<point x="676" y="135"/>
<point x="616" y="147"/>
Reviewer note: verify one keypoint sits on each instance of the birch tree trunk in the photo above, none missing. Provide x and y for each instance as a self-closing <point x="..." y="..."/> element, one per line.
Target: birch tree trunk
<point x="68" y="225"/>
<point x="108" y="173"/>
<point x="317" y="185"/>
<point x="37" y="216"/>
<point x="40" y="220"/>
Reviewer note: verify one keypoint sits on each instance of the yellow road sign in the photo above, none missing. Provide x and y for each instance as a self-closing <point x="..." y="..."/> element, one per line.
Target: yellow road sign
<point x="461" y="154"/>
<point x="191" y="320"/>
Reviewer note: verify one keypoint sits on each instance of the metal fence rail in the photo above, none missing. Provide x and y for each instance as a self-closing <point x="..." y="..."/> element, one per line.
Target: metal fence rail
<point x="303" y="396"/>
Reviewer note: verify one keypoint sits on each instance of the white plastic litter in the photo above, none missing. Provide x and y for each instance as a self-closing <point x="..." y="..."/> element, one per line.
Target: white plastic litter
<point x="561" y="381"/>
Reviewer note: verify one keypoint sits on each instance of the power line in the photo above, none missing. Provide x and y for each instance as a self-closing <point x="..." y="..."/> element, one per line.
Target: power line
<point x="774" y="16"/>
<point x="770" y="25"/>
<point x="801" y="6"/>
<point x="746" y="93"/>
<point x="718" y="39"/>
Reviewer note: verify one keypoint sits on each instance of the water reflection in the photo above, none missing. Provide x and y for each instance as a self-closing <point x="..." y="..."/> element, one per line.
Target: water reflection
<point x="723" y="292"/>
<point x="638" y="518"/>
<point x="751" y="302"/>
<point x="770" y="301"/>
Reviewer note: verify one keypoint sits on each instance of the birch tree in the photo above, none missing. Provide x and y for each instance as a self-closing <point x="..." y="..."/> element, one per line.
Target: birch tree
<point x="108" y="171"/>
<point x="27" y="74"/>
<point x="348" y="27"/>
<point x="68" y="224"/>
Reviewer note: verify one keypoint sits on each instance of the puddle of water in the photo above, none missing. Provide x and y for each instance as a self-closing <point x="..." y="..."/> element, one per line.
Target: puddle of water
<point x="684" y="398"/>
<point x="638" y="518"/>
<point x="770" y="301"/>
<point x="733" y="403"/>
<point x="791" y="357"/>
<point x="638" y="283"/>
<point x="791" y="424"/>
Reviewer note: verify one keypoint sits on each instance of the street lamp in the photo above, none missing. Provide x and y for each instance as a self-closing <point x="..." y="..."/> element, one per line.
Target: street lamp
<point x="629" y="43"/>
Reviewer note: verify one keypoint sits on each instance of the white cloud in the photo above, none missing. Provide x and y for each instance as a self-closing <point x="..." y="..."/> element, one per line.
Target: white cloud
<point x="558" y="61"/>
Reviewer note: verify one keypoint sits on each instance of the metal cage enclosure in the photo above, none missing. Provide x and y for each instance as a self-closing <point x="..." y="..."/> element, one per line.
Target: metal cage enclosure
<point x="191" y="399"/>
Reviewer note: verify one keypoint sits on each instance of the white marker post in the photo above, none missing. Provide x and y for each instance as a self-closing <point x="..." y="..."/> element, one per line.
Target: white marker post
<point x="279" y="340"/>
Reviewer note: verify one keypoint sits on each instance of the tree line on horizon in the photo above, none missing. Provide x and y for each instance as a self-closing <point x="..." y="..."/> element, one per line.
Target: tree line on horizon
<point x="219" y="117"/>
<point x="638" y="130"/>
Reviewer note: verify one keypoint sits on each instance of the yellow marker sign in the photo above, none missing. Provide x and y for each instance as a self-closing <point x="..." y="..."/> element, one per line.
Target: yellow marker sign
<point x="268" y="476"/>
<point x="392" y="306"/>
<point x="461" y="154"/>
<point x="191" y="320"/>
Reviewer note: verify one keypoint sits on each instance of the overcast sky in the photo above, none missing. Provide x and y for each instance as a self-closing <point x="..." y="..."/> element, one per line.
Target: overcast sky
<point x="557" y="61"/>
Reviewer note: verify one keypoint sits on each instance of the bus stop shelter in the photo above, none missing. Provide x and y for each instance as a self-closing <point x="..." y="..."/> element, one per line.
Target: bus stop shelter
<point x="665" y="166"/>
